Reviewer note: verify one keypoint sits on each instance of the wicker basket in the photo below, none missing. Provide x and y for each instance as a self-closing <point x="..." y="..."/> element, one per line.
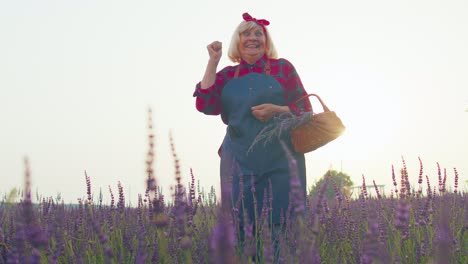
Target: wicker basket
<point x="318" y="131"/>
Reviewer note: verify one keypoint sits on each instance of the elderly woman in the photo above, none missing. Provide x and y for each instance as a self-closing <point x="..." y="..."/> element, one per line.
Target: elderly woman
<point x="247" y="96"/>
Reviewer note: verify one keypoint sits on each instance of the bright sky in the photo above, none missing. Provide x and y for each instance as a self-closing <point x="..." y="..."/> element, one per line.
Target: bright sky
<point x="77" y="78"/>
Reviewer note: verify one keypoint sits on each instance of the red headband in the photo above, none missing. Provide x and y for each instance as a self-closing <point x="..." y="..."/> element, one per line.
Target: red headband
<point x="261" y="22"/>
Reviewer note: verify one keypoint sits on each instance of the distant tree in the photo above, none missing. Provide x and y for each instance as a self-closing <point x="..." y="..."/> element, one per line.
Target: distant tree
<point x="341" y="180"/>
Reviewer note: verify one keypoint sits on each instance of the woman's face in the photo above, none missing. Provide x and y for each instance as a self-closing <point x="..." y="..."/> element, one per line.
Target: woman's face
<point x="252" y="44"/>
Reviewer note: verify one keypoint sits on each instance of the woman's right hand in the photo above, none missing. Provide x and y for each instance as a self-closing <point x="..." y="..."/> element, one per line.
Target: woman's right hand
<point x="215" y="50"/>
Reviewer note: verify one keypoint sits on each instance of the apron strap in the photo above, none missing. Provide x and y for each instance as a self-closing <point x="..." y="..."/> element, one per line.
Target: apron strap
<point x="267" y="69"/>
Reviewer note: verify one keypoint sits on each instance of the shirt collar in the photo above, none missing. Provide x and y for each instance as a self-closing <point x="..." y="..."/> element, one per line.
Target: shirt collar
<point x="260" y="62"/>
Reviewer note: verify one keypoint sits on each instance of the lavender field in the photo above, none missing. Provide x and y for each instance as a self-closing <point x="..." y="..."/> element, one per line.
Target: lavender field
<point x="415" y="224"/>
<point x="422" y="223"/>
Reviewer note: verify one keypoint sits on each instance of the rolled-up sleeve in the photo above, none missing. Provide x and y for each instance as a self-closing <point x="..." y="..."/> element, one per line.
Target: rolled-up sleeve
<point x="208" y="101"/>
<point x="295" y="90"/>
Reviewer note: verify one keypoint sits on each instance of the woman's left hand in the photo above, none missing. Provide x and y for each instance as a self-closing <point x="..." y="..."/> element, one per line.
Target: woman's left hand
<point x="264" y="112"/>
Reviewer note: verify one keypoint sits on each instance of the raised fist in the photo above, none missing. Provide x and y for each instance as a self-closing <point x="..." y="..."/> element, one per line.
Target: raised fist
<point x="215" y="50"/>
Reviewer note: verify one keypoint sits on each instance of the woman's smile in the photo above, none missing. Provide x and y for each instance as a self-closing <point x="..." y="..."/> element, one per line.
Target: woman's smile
<point x="252" y="44"/>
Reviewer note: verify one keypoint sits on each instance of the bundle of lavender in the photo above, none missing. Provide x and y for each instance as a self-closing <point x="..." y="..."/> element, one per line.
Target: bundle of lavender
<point x="278" y="125"/>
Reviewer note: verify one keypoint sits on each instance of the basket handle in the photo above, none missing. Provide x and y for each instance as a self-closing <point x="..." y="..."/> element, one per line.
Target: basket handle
<point x="325" y="108"/>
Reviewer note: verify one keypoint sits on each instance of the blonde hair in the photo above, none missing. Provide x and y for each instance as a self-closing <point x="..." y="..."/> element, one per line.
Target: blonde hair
<point x="233" y="52"/>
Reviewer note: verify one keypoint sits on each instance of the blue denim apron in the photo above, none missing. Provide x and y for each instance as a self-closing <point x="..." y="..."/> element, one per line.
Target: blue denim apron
<point x="265" y="163"/>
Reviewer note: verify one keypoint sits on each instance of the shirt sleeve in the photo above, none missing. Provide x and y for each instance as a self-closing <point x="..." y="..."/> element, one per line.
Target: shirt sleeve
<point x="208" y="101"/>
<point x="295" y="90"/>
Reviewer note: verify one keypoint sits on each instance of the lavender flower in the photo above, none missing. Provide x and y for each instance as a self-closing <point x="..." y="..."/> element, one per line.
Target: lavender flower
<point x="103" y="238"/>
<point x="370" y="244"/>
<point x="121" y="202"/>
<point x="444" y="181"/>
<point x="29" y="232"/>
<point x="443" y="245"/>
<point x="455" y="189"/>
<point x="377" y="190"/>
<point x="402" y="217"/>
<point x="405" y="178"/>
<point x="249" y="247"/>
<point x="440" y="178"/>
<point x="428" y="190"/>
<point x="192" y="203"/>
<point x="297" y="199"/>
<point x="321" y="195"/>
<point x="420" y="178"/>
<point x="364" y="188"/>
<point x="151" y="185"/>
<point x="394" y="180"/>
<point x="112" y="197"/>
<point x="278" y="125"/>
<point x="222" y="241"/>
<point x="180" y="203"/>
<point x="338" y="195"/>
<point x="88" y="187"/>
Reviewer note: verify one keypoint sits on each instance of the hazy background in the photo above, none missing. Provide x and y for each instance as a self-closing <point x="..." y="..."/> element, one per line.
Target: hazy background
<point x="77" y="78"/>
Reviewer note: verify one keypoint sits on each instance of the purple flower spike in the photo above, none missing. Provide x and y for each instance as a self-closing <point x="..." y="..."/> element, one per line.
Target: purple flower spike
<point x="394" y="180"/>
<point x="371" y="250"/>
<point x="28" y="229"/>
<point x="402" y="217"/>
<point x="297" y="199"/>
<point x="377" y="190"/>
<point x="420" y="178"/>
<point x="121" y="203"/>
<point x="443" y="242"/>
<point x="88" y="187"/>
<point x="222" y="241"/>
